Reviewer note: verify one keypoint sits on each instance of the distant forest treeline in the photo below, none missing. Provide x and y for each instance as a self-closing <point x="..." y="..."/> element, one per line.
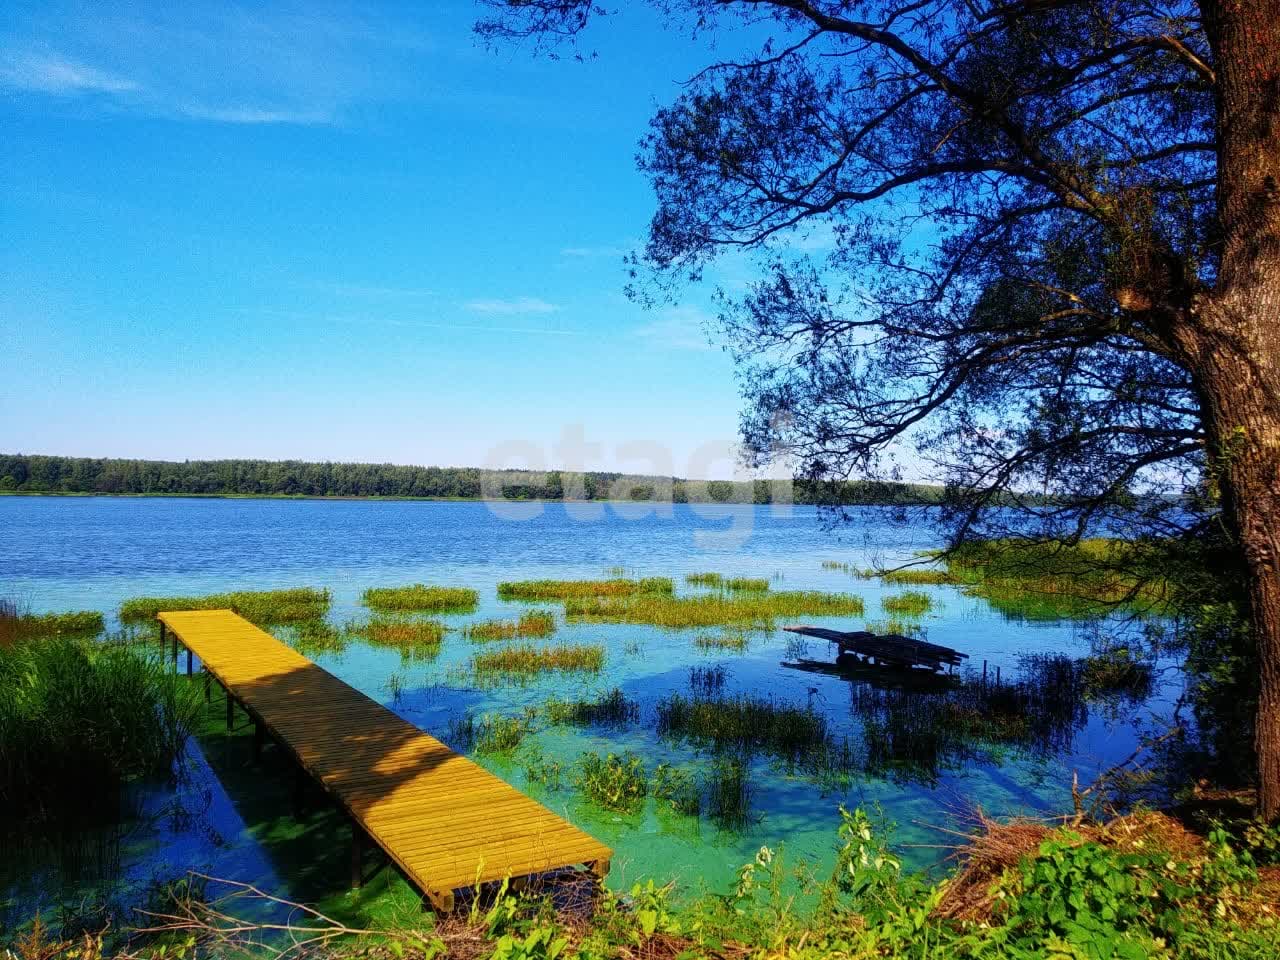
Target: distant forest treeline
<point x="21" y="473"/>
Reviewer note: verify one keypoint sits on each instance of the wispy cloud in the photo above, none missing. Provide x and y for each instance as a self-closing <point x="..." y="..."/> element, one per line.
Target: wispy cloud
<point x="520" y="306"/>
<point x="221" y="63"/>
<point x="584" y="253"/>
<point x="677" y="328"/>
<point x="55" y="75"/>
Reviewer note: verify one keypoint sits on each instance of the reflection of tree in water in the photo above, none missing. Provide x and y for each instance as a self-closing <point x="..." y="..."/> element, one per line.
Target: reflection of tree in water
<point x="914" y="731"/>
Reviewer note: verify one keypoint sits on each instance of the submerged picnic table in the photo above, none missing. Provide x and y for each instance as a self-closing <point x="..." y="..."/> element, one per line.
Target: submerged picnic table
<point x="444" y="820"/>
<point x="888" y="649"/>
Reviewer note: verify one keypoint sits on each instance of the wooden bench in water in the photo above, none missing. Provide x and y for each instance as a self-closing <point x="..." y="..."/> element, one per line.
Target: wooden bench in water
<point x="889" y="649"/>
<point x="445" y="821"/>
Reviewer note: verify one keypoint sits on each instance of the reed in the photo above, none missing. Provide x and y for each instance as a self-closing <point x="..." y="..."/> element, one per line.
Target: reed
<point x="704" y="579"/>
<point x="747" y="584"/>
<point x="758" y="610"/>
<point x="919" y="576"/>
<point x="728" y="789"/>
<point x="531" y="624"/>
<point x="80" y="720"/>
<point x="557" y="590"/>
<point x="707" y="682"/>
<point x="909" y="603"/>
<point x="497" y="734"/>
<point x="548" y="774"/>
<point x="80" y="623"/>
<point x="420" y="598"/>
<point x="612" y="709"/>
<point x="266" y="608"/>
<point x="615" y="782"/>
<point x="736" y="640"/>
<point x="318" y="636"/>
<point x="528" y="660"/>
<point x="895" y="626"/>
<point x="742" y="724"/>
<point x="8" y="624"/>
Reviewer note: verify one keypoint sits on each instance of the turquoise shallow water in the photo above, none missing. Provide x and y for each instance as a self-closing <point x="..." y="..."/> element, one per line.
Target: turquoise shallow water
<point x="59" y="554"/>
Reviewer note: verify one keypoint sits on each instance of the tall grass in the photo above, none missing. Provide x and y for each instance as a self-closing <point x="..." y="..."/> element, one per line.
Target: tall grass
<point x="737" y="640"/>
<point x="419" y="638"/>
<point x="759" y="610"/>
<point x="528" y="660"/>
<point x="491" y="733"/>
<point x="611" y="709"/>
<point x="263" y="607"/>
<point x="704" y="579"/>
<point x="420" y="598"/>
<point x="743" y="724"/>
<point x="909" y="603"/>
<point x="729" y="792"/>
<point x="80" y="623"/>
<point x="615" y="782"/>
<point x="80" y="720"/>
<point x="572" y="589"/>
<point x="531" y="624"/>
<point x="751" y="584"/>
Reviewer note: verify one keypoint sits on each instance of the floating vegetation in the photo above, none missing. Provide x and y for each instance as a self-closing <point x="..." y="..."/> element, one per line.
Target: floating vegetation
<point x="707" y="682"/>
<point x="81" y="720"/>
<point x="677" y="788"/>
<point x="742" y="724"/>
<point x="909" y="603"/>
<point x="531" y="624"/>
<point x="528" y="660"/>
<point x="548" y="774"/>
<point x="264" y="607"/>
<point x="615" y="782"/>
<point x="895" y="626"/>
<point x="729" y="793"/>
<point x="421" y="598"/>
<point x="724" y="640"/>
<point x="80" y="623"/>
<point x="612" y="709"/>
<point x="747" y="584"/>
<point x="713" y="610"/>
<point x="574" y="589"/>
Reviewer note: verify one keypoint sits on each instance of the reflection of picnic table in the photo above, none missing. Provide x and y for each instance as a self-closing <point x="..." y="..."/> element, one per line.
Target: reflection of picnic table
<point x="888" y="649"/>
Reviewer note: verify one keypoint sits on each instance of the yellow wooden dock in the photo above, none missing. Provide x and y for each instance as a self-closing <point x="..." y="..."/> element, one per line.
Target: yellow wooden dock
<point x="444" y="820"/>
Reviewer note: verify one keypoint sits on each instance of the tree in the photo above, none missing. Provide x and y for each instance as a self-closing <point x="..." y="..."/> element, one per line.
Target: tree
<point x="1054" y="261"/>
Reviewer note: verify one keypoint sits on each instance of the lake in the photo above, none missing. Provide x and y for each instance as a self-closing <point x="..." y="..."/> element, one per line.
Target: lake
<point x="230" y="819"/>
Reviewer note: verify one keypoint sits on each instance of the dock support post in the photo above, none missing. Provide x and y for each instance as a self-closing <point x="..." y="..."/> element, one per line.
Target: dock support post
<point x="188" y="661"/>
<point x="162" y="638"/>
<point x="441" y="903"/>
<point x="175" y="653"/>
<point x="231" y="706"/>
<point x="258" y="736"/>
<point x="208" y="692"/>
<point x="357" y="856"/>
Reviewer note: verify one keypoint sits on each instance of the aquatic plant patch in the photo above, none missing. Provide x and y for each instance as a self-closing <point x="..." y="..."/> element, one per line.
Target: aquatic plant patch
<point x="909" y="603"/>
<point x="677" y="788"/>
<point x="747" y="584"/>
<point x="728" y="789"/>
<point x="758" y="610"/>
<point x="525" y="659"/>
<point x="743" y="724"/>
<point x="704" y="579"/>
<point x="403" y="633"/>
<point x="707" y="682"/>
<point x="556" y="590"/>
<point x="615" y="782"/>
<point x="531" y="624"/>
<point x="736" y="640"/>
<point x="421" y="598"/>
<point x="611" y="709"/>
<point x="80" y="623"/>
<point x="263" y="607"/>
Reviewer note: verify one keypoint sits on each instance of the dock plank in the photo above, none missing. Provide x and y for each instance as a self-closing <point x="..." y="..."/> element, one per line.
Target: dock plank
<point x="446" y="821"/>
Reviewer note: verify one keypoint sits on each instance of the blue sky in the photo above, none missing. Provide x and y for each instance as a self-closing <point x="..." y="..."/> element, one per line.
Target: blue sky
<point x="343" y="233"/>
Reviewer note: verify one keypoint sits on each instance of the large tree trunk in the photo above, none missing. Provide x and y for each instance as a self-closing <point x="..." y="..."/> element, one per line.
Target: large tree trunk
<point x="1237" y="341"/>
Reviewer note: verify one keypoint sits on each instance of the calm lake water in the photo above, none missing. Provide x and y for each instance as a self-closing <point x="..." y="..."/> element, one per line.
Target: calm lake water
<point x="229" y="818"/>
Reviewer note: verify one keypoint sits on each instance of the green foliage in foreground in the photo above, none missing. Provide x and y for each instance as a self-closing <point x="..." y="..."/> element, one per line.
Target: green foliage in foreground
<point x="421" y="598"/>
<point x="266" y="608"/>
<point x="77" y="721"/>
<point x="80" y="623"/>
<point x="556" y="590"/>
<point x="713" y="610"/>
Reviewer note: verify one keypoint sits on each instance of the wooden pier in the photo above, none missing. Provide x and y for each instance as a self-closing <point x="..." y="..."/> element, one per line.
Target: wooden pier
<point x="889" y="649"/>
<point x="445" y="821"/>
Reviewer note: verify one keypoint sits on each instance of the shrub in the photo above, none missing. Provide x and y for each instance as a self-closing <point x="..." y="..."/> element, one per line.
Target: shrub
<point x="421" y="598"/>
